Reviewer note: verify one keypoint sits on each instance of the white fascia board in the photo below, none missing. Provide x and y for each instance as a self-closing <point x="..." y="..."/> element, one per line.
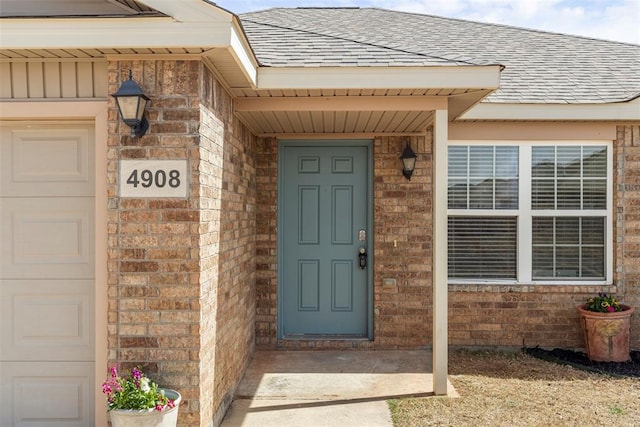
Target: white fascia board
<point x="190" y="10"/>
<point x="467" y="77"/>
<point x="112" y="33"/>
<point x="244" y="55"/>
<point x="619" y="111"/>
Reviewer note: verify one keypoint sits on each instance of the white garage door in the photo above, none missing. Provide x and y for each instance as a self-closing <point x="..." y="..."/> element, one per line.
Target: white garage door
<point x="47" y="275"/>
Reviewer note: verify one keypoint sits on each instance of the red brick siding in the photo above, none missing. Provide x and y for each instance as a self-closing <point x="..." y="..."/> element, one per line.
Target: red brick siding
<point x="181" y="298"/>
<point x="266" y="241"/>
<point x="512" y="316"/>
<point x="228" y="247"/>
<point x="627" y="223"/>
<point x="154" y="300"/>
<point x="402" y="221"/>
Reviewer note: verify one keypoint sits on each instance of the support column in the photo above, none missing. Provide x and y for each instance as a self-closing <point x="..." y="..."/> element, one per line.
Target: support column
<point x="439" y="286"/>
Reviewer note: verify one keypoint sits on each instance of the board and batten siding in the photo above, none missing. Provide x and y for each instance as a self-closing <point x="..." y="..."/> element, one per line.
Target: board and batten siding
<point x="53" y="79"/>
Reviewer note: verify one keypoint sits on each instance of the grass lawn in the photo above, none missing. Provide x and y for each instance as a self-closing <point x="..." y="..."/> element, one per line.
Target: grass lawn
<point x="514" y="389"/>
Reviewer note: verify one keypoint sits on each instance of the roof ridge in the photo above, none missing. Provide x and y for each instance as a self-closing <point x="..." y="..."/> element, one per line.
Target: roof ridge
<point x="325" y="7"/>
<point x="358" y="41"/>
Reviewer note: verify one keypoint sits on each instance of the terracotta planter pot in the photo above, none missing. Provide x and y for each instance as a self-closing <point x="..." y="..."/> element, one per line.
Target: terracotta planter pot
<point x="149" y="417"/>
<point x="606" y="335"/>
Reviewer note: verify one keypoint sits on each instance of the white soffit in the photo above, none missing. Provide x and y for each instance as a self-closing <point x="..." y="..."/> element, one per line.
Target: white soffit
<point x="620" y="111"/>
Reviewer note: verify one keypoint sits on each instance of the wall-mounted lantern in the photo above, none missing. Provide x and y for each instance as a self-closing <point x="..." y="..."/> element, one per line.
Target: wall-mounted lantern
<point x="408" y="161"/>
<point x="131" y="105"/>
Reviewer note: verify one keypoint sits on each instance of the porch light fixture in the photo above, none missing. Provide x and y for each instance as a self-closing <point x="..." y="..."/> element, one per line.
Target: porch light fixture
<point x="408" y="162"/>
<point x="131" y="104"/>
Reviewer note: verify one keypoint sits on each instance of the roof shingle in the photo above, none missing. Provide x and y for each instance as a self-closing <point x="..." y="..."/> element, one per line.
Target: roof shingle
<point x="540" y="67"/>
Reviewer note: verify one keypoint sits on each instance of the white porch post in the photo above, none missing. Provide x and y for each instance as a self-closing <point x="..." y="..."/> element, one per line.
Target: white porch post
<point x="439" y="269"/>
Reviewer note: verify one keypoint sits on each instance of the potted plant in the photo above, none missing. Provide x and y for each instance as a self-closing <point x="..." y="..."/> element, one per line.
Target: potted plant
<point x="135" y="400"/>
<point x="606" y="324"/>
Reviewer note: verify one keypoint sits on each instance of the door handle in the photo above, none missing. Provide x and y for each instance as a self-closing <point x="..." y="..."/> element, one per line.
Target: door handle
<point x="362" y="255"/>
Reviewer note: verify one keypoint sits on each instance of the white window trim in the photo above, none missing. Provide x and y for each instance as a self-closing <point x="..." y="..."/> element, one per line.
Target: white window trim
<point x="525" y="215"/>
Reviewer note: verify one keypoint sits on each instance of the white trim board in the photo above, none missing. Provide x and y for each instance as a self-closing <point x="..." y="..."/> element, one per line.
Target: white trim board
<point x="619" y="111"/>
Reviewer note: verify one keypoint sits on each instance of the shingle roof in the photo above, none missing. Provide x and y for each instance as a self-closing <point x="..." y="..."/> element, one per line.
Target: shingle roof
<point x="541" y="67"/>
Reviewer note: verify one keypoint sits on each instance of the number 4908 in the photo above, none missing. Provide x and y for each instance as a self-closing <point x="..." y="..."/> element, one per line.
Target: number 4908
<point x="147" y="178"/>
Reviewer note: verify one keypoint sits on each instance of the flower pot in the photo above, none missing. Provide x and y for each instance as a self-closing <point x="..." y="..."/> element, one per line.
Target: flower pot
<point x="147" y="417"/>
<point x="606" y="335"/>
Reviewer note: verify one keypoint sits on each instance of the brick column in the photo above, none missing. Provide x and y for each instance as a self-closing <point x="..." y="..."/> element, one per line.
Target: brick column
<point x="154" y="260"/>
<point x="402" y="220"/>
<point x="627" y="222"/>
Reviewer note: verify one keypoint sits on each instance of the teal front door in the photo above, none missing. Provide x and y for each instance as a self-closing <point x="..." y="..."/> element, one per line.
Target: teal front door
<point x="324" y="210"/>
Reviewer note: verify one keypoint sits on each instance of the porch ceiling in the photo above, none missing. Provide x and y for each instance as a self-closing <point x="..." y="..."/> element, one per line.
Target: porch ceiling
<point x="266" y="123"/>
<point x="348" y="111"/>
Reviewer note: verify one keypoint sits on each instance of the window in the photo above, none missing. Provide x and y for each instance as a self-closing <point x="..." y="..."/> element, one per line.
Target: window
<point x="529" y="212"/>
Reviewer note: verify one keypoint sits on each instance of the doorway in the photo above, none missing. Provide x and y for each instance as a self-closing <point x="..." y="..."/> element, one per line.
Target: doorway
<point x="325" y="239"/>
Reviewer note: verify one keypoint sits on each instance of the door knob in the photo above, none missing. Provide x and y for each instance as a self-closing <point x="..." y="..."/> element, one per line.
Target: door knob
<point x="362" y="257"/>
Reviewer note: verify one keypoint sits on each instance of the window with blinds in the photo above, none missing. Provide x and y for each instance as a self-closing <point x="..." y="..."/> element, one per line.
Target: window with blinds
<point x="568" y="247"/>
<point x="569" y="180"/>
<point x="483" y="177"/>
<point x="482" y="247"/>
<point x="529" y="212"/>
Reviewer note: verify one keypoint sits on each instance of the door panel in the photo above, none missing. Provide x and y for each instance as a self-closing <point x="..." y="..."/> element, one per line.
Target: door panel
<point x="46" y="160"/>
<point x="50" y="319"/>
<point x="324" y="204"/>
<point x="47" y="394"/>
<point x="47" y="237"/>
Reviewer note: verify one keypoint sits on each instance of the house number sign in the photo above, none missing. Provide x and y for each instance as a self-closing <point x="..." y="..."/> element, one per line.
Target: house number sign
<point x="154" y="178"/>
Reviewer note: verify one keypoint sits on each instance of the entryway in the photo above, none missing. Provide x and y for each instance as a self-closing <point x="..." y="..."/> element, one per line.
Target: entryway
<point x="325" y="262"/>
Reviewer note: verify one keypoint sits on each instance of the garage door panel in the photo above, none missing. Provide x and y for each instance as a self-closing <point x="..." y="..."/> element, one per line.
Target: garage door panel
<point x="47" y="238"/>
<point x="47" y="394"/>
<point x="46" y="162"/>
<point x="47" y="320"/>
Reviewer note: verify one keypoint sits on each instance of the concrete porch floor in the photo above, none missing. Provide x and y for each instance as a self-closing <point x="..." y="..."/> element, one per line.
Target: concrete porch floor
<point x="328" y="388"/>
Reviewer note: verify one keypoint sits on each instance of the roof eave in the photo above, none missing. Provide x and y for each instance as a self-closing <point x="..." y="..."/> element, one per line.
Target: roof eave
<point x="70" y="33"/>
<point x="148" y="32"/>
<point x="617" y="111"/>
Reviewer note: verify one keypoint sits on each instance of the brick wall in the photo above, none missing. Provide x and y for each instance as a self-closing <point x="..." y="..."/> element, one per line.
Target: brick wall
<point x="513" y="316"/>
<point x="154" y="297"/>
<point x="266" y="242"/>
<point x="402" y="221"/>
<point x="228" y="247"/>
<point x="181" y="300"/>
<point x="627" y="223"/>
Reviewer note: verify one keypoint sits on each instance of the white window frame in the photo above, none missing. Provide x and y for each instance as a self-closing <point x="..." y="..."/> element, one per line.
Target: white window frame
<point x="525" y="214"/>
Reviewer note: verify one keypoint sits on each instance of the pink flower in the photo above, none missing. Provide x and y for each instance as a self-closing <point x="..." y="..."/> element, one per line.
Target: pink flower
<point x="610" y="309"/>
<point x="158" y="407"/>
<point x="137" y="375"/>
<point x="106" y="388"/>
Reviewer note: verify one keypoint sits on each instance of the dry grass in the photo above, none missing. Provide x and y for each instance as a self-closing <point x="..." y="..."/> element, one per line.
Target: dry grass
<point x="505" y="389"/>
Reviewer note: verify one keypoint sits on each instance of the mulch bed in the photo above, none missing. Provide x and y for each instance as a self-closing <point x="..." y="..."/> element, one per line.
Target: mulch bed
<point x="578" y="360"/>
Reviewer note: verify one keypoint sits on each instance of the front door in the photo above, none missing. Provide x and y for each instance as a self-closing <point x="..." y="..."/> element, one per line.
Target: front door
<point x="324" y="210"/>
